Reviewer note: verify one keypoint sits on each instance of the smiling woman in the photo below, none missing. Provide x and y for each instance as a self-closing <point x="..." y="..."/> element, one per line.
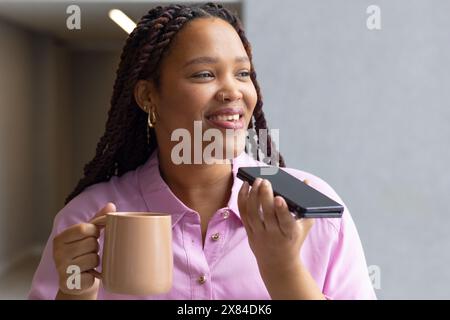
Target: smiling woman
<point x="180" y="66"/>
<point x="203" y="80"/>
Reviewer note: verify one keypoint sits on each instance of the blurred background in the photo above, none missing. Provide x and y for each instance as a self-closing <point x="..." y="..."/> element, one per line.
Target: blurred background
<point x="365" y="110"/>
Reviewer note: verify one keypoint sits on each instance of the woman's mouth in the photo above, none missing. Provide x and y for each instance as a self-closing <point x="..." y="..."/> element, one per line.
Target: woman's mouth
<point x="230" y="121"/>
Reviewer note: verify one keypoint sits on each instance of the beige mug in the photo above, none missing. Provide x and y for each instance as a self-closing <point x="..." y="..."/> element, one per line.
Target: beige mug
<point x="137" y="252"/>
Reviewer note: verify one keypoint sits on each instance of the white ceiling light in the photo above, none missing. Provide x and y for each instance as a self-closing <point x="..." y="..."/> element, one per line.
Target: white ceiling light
<point x="122" y="20"/>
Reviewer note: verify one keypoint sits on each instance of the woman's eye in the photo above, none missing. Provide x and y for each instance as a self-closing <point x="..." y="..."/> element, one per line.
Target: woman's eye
<point x="203" y="75"/>
<point x="244" y="74"/>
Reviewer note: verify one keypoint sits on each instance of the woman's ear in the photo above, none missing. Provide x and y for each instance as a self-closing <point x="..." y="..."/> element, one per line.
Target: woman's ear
<point x="145" y="94"/>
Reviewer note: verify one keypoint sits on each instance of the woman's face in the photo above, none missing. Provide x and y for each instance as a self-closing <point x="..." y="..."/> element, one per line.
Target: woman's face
<point x="206" y="70"/>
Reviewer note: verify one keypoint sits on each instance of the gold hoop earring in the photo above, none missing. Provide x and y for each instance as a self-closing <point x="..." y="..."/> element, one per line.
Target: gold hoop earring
<point x="151" y="118"/>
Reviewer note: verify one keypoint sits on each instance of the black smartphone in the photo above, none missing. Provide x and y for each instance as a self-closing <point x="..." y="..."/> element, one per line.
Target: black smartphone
<point x="303" y="200"/>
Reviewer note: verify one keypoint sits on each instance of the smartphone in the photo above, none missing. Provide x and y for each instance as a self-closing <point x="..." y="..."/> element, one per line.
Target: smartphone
<point x="302" y="200"/>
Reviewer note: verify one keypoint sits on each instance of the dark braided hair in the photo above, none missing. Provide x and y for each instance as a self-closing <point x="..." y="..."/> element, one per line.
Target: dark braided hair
<point x="128" y="141"/>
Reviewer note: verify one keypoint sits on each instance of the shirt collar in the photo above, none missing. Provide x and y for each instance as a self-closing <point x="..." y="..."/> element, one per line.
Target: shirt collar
<point x="159" y="198"/>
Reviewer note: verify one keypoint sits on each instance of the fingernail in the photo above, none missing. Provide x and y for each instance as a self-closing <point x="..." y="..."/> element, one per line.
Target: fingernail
<point x="257" y="182"/>
<point x="278" y="202"/>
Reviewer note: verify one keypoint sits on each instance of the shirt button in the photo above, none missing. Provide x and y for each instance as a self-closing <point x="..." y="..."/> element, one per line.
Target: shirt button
<point x="215" y="236"/>
<point x="202" y="279"/>
<point x="226" y="214"/>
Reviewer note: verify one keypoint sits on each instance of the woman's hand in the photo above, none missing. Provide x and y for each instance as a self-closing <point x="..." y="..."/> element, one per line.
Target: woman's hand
<point x="78" y="246"/>
<point x="274" y="235"/>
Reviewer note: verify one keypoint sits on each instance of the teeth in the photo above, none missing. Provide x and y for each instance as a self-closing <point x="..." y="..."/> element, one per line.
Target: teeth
<point x="226" y="118"/>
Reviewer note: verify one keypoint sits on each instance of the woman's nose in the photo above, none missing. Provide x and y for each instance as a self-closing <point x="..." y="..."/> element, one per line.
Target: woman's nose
<point x="229" y="95"/>
<point x="231" y="89"/>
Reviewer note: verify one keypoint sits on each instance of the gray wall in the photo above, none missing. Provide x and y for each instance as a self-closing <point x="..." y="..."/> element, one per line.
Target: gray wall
<point x="93" y="74"/>
<point x="53" y="107"/>
<point x="368" y="111"/>
<point x="16" y="145"/>
<point x="35" y="155"/>
<point x="51" y="117"/>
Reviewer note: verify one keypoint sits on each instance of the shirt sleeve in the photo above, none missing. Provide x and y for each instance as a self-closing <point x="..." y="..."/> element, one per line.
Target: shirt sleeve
<point x="347" y="275"/>
<point x="44" y="285"/>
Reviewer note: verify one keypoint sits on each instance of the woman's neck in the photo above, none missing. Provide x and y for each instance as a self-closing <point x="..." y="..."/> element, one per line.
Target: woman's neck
<point x="196" y="184"/>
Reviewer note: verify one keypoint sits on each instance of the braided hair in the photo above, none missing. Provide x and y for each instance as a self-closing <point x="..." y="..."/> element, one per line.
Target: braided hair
<point x="128" y="141"/>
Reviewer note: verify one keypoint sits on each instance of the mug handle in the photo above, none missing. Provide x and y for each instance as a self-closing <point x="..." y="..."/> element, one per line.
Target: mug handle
<point x="101" y="223"/>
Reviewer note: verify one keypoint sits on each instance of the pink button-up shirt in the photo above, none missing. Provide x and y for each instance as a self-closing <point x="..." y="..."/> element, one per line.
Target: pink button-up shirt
<point x="332" y="252"/>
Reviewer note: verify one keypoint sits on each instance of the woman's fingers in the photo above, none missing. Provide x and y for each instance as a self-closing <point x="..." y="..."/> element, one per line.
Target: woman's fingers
<point x="109" y="207"/>
<point x="285" y="219"/>
<point x="276" y="217"/>
<point x="242" y="204"/>
<point x="78" y="245"/>
<point x="77" y="232"/>
<point x="253" y="208"/>
<point x="267" y="204"/>
<point x="87" y="262"/>
<point x="83" y="230"/>
<point x="305" y="224"/>
<point x="82" y="247"/>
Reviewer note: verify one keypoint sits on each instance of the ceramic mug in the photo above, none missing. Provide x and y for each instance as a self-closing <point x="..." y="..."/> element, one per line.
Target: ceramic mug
<point x="137" y="252"/>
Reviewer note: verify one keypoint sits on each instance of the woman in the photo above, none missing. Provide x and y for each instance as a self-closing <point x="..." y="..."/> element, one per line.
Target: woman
<point x="180" y="66"/>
